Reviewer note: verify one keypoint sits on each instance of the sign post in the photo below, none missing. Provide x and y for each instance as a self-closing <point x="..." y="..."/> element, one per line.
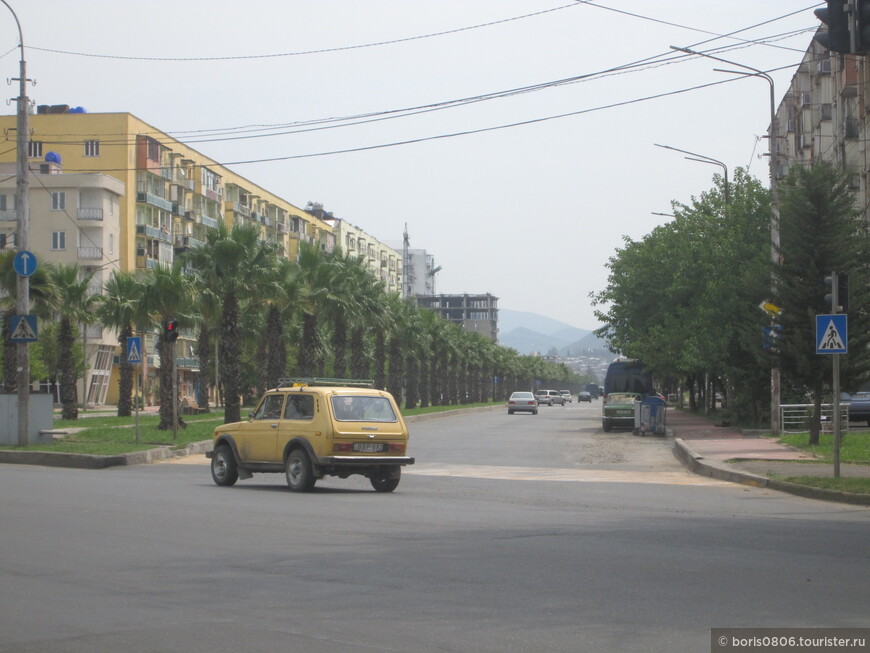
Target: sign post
<point x="832" y="337"/>
<point x="134" y="356"/>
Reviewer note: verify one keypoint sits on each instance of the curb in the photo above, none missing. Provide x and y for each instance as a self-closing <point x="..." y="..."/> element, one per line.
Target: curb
<point x="89" y="461"/>
<point x="696" y="463"/>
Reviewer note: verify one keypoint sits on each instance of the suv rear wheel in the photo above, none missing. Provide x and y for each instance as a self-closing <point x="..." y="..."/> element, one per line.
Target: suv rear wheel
<point x="297" y="469"/>
<point x="386" y="480"/>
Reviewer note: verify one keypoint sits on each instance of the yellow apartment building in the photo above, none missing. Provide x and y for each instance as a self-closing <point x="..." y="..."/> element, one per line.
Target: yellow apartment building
<point x="110" y="192"/>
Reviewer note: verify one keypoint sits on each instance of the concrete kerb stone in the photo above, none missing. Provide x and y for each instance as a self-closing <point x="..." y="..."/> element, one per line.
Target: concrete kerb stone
<point x="90" y="461"/>
<point x="696" y="463"/>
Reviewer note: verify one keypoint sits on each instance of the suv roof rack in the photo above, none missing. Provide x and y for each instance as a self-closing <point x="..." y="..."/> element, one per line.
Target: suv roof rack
<point x="319" y="380"/>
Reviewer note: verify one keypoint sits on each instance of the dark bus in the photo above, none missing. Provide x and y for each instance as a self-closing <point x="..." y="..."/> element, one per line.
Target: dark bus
<point x="626" y="375"/>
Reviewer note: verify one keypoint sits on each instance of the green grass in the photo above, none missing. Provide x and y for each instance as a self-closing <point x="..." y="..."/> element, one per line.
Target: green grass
<point x="854" y="446"/>
<point x="854" y="449"/>
<point x="107" y="435"/>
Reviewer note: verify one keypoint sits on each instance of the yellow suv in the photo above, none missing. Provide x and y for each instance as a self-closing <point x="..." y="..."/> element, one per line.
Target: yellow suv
<point x="311" y="428"/>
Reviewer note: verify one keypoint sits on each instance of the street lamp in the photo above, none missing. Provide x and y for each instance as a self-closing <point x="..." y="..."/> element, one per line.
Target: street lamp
<point x="701" y="158"/>
<point x="775" y="381"/>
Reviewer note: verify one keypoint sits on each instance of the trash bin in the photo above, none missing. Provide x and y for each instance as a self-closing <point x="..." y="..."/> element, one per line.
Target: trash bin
<point x="649" y="416"/>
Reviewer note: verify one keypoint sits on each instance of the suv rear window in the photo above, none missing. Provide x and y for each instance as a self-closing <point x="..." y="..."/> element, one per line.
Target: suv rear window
<point x="357" y="408"/>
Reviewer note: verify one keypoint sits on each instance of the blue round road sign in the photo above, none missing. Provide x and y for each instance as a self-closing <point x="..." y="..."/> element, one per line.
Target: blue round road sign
<point x="24" y="263"/>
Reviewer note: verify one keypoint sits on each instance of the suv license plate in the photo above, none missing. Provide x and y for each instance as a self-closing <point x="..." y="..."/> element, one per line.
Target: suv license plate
<point x="370" y="447"/>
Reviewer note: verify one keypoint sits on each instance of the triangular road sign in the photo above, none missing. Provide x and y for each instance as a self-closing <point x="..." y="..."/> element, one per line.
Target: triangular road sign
<point x="23" y="328"/>
<point x="831" y="338"/>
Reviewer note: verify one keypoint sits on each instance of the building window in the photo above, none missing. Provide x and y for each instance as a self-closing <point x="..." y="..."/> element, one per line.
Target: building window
<point x="8" y="202"/>
<point x="92" y="148"/>
<point x="58" y="201"/>
<point x="827" y="111"/>
<point x="34" y="149"/>
<point x="58" y="240"/>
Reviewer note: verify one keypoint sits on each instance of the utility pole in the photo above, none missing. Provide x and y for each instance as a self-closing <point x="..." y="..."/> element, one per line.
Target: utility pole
<point x="775" y="374"/>
<point x="21" y="242"/>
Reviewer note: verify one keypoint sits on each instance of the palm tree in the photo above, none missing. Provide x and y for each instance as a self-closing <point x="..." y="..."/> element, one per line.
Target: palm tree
<point x="237" y="267"/>
<point x="281" y="305"/>
<point x="122" y="310"/>
<point x="72" y="303"/>
<point x="321" y="280"/>
<point x="168" y="293"/>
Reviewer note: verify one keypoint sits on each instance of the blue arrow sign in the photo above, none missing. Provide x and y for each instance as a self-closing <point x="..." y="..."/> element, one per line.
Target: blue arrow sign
<point x="24" y="263"/>
<point x="832" y="334"/>
<point x="134" y="349"/>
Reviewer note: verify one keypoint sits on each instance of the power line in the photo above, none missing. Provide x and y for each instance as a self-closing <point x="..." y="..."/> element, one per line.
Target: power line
<point x="309" y="52"/>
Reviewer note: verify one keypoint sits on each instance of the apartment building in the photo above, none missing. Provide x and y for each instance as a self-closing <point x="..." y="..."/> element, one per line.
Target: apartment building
<point x="109" y="191"/>
<point x="474" y="313"/>
<point x="823" y="117"/>
<point x="382" y="261"/>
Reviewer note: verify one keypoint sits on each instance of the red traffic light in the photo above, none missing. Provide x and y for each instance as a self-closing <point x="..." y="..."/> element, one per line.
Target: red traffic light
<point x="170" y="330"/>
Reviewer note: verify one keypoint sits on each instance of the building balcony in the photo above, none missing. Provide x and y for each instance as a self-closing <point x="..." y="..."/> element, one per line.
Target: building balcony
<point x="188" y="242"/>
<point x="87" y="213"/>
<point x="241" y="209"/>
<point x="208" y="222"/>
<point x="154" y="200"/>
<point x="90" y="253"/>
<point x="9" y="215"/>
<point x="161" y="233"/>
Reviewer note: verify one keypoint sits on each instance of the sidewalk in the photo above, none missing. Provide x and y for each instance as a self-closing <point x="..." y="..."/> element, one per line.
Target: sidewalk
<point x="726" y="453"/>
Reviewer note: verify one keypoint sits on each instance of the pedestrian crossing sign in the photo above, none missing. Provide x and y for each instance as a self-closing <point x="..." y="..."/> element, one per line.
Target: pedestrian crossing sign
<point x="134" y="349"/>
<point x="832" y="334"/>
<point x="22" y="328"/>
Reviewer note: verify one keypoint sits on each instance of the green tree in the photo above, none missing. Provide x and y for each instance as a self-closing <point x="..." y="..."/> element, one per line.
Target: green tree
<point x="820" y="233"/>
<point x="121" y="310"/>
<point x="238" y="269"/>
<point x="168" y="293"/>
<point x="72" y="303"/>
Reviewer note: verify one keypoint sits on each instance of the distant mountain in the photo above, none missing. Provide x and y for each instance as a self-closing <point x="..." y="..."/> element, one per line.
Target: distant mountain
<point x="509" y="320"/>
<point x="531" y="333"/>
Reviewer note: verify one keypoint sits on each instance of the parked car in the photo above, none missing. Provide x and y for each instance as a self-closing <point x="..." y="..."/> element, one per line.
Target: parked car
<point x="619" y="410"/>
<point x="584" y="396"/>
<point x="549" y="397"/>
<point x="311" y="428"/>
<point x="567" y="395"/>
<point x="859" y="406"/>
<point x="522" y="402"/>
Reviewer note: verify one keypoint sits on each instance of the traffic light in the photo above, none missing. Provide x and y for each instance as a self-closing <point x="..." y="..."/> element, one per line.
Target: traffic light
<point x="170" y="330"/>
<point x="836" y="17"/>
<point x="842" y="282"/>
<point x="862" y="25"/>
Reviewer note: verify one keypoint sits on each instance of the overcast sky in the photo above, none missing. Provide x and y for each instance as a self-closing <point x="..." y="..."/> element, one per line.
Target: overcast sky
<point x="525" y="196"/>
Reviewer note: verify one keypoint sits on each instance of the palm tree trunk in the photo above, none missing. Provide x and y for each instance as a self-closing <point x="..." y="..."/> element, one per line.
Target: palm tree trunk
<point x="67" y="370"/>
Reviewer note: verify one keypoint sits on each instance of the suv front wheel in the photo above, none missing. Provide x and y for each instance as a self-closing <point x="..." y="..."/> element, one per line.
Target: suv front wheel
<point x="224" y="469"/>
<point x="297" y="469"/>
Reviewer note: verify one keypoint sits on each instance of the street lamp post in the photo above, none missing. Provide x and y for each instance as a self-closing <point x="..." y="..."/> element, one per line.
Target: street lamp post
<point x="775" y="381"/>
<point x="702" y="158"/>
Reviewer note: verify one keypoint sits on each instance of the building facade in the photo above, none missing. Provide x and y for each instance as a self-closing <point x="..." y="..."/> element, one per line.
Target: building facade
<point x="474" y="313"/>
<point x="823" y="117"/>
<point x="111" y="192"/>
<point x="381" y="260"/>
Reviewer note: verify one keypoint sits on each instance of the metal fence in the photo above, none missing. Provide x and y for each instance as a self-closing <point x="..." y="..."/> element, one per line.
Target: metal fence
<point x="796" y="417"/>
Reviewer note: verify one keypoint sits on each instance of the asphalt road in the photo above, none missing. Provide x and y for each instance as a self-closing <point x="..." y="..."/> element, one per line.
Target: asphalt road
<point x="512" y="533"/>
